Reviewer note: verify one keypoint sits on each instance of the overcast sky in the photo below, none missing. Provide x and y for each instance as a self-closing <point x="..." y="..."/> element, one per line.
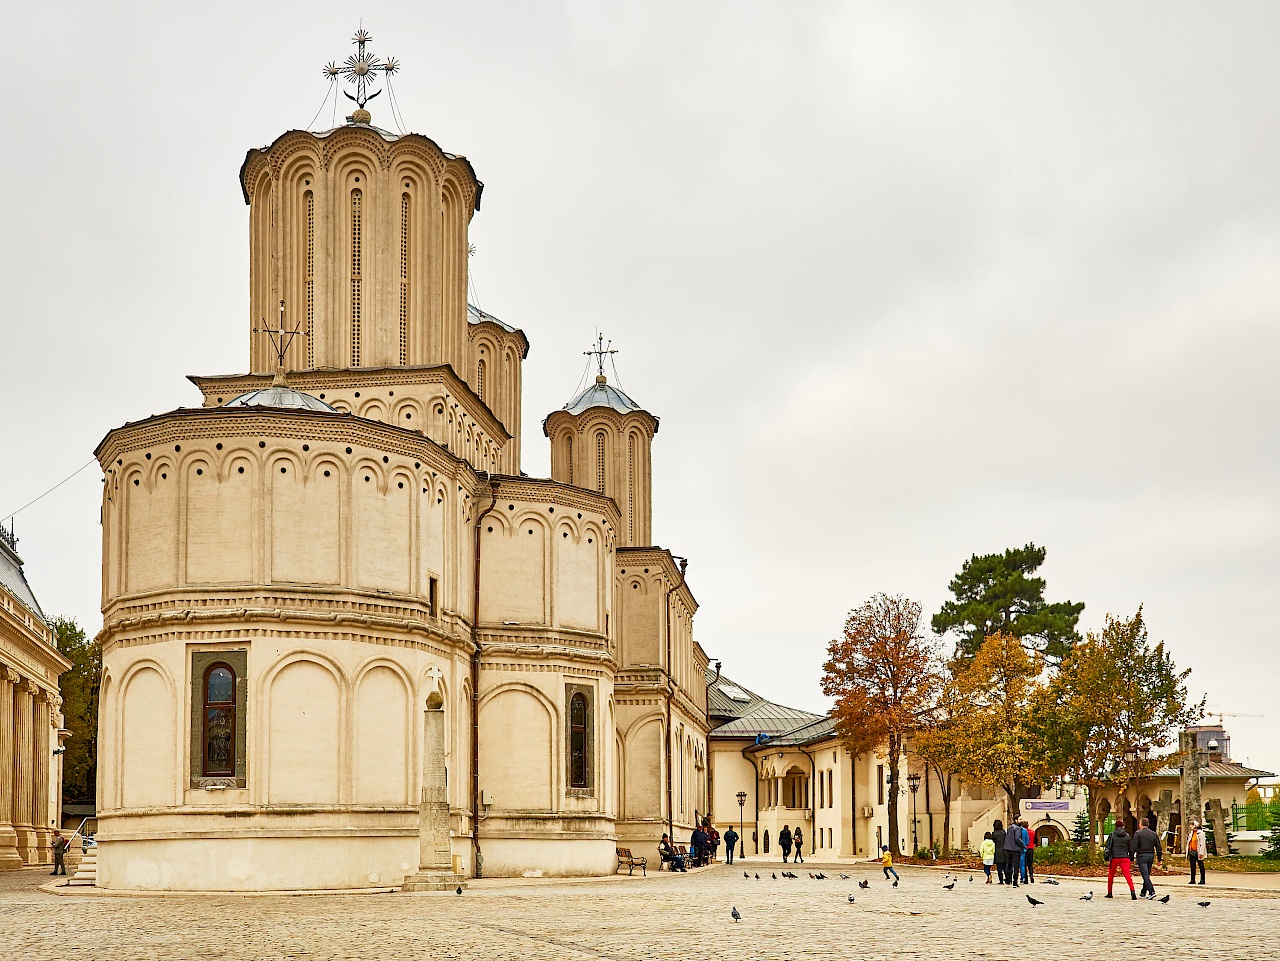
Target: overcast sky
<point x="903" y="281"/>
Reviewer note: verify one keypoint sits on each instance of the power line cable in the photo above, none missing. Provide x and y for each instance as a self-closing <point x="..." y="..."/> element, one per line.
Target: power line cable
<point x="331" y="89"/>
<point x="13" y="514"/>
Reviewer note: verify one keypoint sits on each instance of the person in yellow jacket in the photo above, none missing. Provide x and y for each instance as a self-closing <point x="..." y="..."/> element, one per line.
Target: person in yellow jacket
<point x="886" y="860"/>
<point x="988" y="851"/>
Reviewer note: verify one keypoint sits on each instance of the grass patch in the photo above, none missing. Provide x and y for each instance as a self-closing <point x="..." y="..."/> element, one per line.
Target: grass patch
<point x="1243" y="864"/>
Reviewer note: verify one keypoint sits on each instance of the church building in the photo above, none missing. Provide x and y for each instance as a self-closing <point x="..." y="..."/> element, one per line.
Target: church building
<point x="291" y="569"/>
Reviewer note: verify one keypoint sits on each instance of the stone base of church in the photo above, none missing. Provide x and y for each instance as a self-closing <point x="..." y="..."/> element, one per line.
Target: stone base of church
<point x="28" y="844"/>
<point x="256" y="864"/>
<point x="9" y="856"/>
<point x="433" y="881"/>
<point x="514" y="857"/>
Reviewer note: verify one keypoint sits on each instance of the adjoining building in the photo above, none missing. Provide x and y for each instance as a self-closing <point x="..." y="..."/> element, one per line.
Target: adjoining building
<point x="290" y="570"/>
<point x="30" y="719"/>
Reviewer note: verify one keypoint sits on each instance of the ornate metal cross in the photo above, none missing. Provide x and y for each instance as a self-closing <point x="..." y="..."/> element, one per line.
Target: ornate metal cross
<point x="600" y="352"/>
<point x="359" y="68"/>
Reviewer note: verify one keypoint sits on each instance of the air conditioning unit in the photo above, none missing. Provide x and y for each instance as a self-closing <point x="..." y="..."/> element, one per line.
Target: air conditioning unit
<point x="868" y="811"/>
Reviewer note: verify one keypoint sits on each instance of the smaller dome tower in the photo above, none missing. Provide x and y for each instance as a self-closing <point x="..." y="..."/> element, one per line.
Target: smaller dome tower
<point x="602" y="440"/>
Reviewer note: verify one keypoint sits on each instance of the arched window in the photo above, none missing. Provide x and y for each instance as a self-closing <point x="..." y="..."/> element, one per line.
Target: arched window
<point x="600" y="462"/>
<point x="766" y="840"/>
<point x="578" y="741"/>
<point x="219" y="721"/>
<point x="480" y="378"/>
<point x="310" y="279"/>
<point x="404" y="278"/>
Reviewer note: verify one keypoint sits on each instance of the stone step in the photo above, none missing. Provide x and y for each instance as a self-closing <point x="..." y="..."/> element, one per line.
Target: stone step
<point x="86" y="873"/>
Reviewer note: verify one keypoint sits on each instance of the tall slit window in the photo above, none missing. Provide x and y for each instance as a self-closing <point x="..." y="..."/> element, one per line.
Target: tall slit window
<point x="357" y="263"/>
<point x="578" y="741"/>
<point x="219" y="738"/>
<point x="480" y="378"/>
<point x="310" y="279"/>
<point x="631" y="493"/>
<point x="404" y="279"/>
<point x="600" y="463"/>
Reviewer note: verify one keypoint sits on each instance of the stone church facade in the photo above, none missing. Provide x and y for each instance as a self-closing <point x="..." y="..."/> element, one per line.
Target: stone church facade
<point x="291" y="569"/>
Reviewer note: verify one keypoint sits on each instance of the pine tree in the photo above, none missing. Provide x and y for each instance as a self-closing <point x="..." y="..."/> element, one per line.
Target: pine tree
<point x="1081" y="833"/>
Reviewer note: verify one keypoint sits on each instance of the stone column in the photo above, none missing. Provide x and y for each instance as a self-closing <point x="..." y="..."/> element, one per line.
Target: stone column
<point x="1192" y="761"/>
<point x="42" y="755"/>
<point x="435" y="861"/>
<point x="9" y="856"/>
<point x="24" y="738"/>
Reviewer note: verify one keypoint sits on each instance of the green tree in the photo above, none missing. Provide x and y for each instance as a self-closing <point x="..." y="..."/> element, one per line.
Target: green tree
<point x="1272" y="853"/>
<point x="79" y="689"/>
<point x="999" y="593"/>
<point x="1115" y="692"/>
<point x="884" y="674"/>
<point x="1080" y="833"/>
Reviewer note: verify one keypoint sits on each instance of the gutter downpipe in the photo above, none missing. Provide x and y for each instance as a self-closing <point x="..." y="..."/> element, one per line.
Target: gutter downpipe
<point x="756" y="830"/>
<point x="813" y="796"/>
<point x="670" y="692"/>
<point x="475" y="681"/>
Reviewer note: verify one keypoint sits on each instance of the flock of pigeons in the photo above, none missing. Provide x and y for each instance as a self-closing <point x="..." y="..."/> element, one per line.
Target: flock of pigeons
<point x="865" y="885"/>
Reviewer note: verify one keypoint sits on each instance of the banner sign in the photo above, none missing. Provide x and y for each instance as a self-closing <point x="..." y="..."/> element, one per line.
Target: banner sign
<point x="1047" y="805"/>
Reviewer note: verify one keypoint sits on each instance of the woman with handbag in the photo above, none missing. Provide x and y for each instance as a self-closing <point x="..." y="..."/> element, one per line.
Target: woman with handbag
<point x="1196" y="850"/>
<point x="1120" y="855"/>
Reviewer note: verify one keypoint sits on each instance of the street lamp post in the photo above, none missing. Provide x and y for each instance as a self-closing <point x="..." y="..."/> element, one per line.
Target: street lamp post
<point x="913" y="780"/>
<point x="742" y="801"/>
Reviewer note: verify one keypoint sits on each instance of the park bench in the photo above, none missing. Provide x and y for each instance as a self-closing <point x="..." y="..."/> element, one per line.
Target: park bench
<point x="625" y="857"/>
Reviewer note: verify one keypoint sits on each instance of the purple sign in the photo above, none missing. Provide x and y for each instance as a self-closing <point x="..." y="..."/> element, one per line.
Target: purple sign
<point x="1048" y="805"/>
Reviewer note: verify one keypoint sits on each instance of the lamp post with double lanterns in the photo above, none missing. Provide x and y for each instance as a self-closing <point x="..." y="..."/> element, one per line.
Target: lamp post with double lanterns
<point x="913" y="781"/>
<point x="742" y="802"/>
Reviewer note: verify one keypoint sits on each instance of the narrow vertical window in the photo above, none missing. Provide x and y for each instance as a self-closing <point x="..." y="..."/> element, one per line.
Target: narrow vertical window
<point x="357" y="261"/>
<point x="309" y="279"/>
<point x="578" y="741"/>
<point x="404" y="279"/>
<point x="480" y="378"/>
<point x="433" y="587"/>
<point x="219" y="738"/>
<point x="631" y="491"/>
<point x="600" y="463"/>
<point x="568" y="458"/>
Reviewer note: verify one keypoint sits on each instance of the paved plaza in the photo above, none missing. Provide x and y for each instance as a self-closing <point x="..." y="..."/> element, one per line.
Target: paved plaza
<point x="686" y="916"/>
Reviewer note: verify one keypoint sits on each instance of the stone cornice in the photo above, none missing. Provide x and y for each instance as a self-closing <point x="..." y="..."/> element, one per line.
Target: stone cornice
<point x="541" y="490"/>
<point x="662" y="558"/>
<point x="29" y="652"/>
<point x="332" y="378"/>
<point x="600" y="415"/>
<point x="325" y="145"/>
<point x="202" y="423"/>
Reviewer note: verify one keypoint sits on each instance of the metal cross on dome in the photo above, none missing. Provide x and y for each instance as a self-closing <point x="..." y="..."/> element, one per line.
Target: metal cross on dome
<point x="600" y="352"/>
<point x="359" y="68"/>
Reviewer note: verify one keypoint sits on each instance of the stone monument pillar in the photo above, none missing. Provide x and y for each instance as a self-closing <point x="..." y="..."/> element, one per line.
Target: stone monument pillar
<point x="9" y="857"/>
<point x="1192" y="762"/>
<point x="1164" y="809"/>
<point x="435" y="861"/>
<point x="24" y="770"/>
<point x="1217" y="818"/>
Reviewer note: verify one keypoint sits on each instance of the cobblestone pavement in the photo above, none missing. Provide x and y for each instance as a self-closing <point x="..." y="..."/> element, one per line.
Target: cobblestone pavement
<point x="681" y="917"/>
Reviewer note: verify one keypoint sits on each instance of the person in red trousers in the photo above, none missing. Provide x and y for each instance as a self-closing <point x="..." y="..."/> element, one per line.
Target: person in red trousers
<point x="1120" y="856"/>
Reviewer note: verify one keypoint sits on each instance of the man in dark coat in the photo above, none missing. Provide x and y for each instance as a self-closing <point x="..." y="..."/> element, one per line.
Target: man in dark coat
<point x="1147" y="851"/>
<point x="1002" y="859"/>
<point x="1014" y="845"/>
<point x="784" y="842"/>
<point x="730" y="841"/>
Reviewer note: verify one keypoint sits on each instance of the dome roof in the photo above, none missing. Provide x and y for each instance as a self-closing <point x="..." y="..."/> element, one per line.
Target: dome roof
<point x="281" y="397"/>
<point x="602" y="394"/>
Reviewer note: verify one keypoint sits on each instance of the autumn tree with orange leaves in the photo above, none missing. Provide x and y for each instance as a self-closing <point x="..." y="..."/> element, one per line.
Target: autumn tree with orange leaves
<point x="884" y="674"/>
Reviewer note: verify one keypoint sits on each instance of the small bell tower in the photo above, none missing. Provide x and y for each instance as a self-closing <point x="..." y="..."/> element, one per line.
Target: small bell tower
<point x="602" y="440"/>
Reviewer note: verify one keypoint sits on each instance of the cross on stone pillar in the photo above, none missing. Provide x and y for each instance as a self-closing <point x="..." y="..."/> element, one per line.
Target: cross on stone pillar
<point x="435" y="863"/>
<point x="1164" y="809"/>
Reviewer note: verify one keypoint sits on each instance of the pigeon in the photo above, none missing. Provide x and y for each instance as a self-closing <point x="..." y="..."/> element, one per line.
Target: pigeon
<point x="775" y="876"/>
<point x="851" y="899"/>
<point x="746" y="875"/>
<point x="844" y="877"/>
<point x="948" y="887"/>
<point x="1204" y="904"/>
<point x="820" y="876"/>
<point x="1033" y="902"/>
<point x="971" y="879"/>
<point x="811" y="876"/>
<point x="1165" y="899"/>
<point x="864" y="884"/>
<point x="458" y="891"/>
<point x="1087" y="897"/>
<point x="735" y="915"/>
<point x="1049" y="881"/>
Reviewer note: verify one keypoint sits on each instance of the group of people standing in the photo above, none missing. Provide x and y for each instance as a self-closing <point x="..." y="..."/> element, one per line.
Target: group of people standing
<point x="1011" y="851"/>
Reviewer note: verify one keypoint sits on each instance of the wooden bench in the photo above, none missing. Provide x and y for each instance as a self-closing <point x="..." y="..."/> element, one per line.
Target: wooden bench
<point x="689" y="859"/>
<point x="625" y="857"/>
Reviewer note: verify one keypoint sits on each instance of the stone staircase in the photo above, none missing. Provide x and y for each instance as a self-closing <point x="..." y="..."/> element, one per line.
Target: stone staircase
<point x="86" y="871"/>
